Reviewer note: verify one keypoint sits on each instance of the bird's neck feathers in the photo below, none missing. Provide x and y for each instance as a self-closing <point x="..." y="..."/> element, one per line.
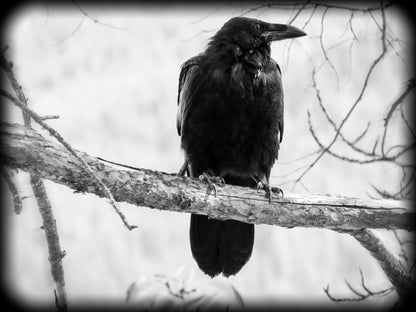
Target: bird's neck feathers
<point x="225" y="52"/>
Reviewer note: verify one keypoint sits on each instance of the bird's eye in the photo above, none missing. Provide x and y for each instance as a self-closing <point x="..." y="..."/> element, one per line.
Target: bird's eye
<point x="258" y="26"/>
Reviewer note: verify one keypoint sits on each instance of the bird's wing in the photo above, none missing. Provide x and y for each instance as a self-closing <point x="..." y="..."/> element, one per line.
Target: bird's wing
<point x="280" y="104"/>
<point x="280" y="121"/>
<point x="190" y="79"/>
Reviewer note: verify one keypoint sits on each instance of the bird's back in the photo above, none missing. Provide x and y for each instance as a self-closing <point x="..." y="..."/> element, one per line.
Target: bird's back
<point x="230" y="116"/>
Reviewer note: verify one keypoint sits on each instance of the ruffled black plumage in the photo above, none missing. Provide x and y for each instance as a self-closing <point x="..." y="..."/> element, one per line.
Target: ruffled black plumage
<point x="230" y="119"/>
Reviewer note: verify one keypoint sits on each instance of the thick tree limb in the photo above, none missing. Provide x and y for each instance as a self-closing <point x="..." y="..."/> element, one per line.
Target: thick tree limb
<point x="27" y="150"/>
<point x="390" y="263"/>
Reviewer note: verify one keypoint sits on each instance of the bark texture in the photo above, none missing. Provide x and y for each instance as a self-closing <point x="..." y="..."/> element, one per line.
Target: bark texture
<point x="29" y="151"/>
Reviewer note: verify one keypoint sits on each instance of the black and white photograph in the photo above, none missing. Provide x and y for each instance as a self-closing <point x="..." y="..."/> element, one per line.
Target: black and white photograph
<point x="207" y="156"/>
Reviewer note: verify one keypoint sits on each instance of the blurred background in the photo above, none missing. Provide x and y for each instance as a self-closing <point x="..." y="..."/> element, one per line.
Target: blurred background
<point x="111" y="74"/>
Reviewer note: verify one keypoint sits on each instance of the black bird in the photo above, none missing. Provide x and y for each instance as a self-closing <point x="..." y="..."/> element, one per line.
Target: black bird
<point x="230" y="119"/>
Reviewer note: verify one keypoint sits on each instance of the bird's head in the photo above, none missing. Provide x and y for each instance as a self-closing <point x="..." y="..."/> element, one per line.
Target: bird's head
<point x="250" y="33"/>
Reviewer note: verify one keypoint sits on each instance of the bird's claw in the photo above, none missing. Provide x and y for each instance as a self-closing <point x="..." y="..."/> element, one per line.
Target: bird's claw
<point x="184" y="170"/>
<point x="277" y="190"/>
<point x="269" y="190"/>
<point x="213" y="182"/>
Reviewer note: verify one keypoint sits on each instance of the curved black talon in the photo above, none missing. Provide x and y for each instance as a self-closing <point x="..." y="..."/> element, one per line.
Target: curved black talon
<point x="272" y="189"/>
<point x="277" y="190"/>
<point x="213" y="182"/>
<point x="184" y="170"/>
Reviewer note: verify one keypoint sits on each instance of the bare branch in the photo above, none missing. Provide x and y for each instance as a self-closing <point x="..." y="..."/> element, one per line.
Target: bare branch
<point x="362" y="135"/>
<point x="94" y="20"/>
<point x="208" y="15"/>
<point x="27" y="150"/>
<point x="17" y="199"/>
<point x="323" y="48"/>
<point x="401" y="244"/>
<point x="289" y="5"/>
<point x="373" y="159"/>
<point x="52" y="238"/>
<point x="73" y="32"/>
<point x="47" y="117"/>
<point x="330" y="152"/>
<point x="355" y="104"/>
<point x="351" y="27"/>
<point x="8" y="69"/>
<point x="410" y="86"/>
<point x="360" y="296"/>
<point x="299" y="158"/>
<point x="406" y="122"/>
<point x="298" y="12"/>
<point x="392" y="266"/>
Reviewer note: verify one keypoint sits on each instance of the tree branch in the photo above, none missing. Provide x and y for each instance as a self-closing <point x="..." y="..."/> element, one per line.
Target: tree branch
<point x="410" y="86"/>
<point x="357" y="101"/>
<point x="390" y="263"/>
<point x="52" y="238"/>
<point x="17" y="199"/>
<point x="27" y="150"/>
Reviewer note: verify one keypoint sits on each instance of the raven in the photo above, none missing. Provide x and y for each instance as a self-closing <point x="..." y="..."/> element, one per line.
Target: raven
<point x="230" y="119"/>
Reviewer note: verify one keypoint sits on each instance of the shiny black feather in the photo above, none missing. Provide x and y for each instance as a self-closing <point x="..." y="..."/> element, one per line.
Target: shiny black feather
<point x="230" y="119"/>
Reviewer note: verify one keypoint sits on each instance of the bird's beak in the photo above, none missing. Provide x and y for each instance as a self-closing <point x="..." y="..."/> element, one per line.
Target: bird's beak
<point x="280" y="31"/>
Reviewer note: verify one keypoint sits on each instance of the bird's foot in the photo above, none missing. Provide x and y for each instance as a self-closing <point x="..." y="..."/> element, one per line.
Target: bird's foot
<point x="264" y="184"/>
<point x="272" y="189"/>
<point x="213" y="181"/>
<point x="184" y="169"/>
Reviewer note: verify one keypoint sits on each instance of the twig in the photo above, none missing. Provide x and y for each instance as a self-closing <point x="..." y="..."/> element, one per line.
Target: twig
<point x="17" y="199"/>
<point x="289" y="5"/>
<point x="298" y="12"/>
<point x="406" y="122"/>
<point x="299" y="158"/>
<point x="410" y="86"/>
<point x="362" y="134"/>
<point x="73" y="32"/>
<point x="208" y="15"/>
<point x="94" y="20"/>
<point x="351" y="27"/>
<point x="47" y="117"/>
<point x="375" y="158"/>
<point x="323" y="48"/>
<point x="326" y="290"/>
<point x="8" y="69"/>
<point x="359" y="295"/>
<point x="356" y="102"/>
<point x="401" y="243"/>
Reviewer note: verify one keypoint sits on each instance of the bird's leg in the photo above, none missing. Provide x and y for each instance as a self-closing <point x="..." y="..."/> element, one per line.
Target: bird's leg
<point x="212" y="180"/>
<point x="268" y="189"/>
<point x="185" y="168"/>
